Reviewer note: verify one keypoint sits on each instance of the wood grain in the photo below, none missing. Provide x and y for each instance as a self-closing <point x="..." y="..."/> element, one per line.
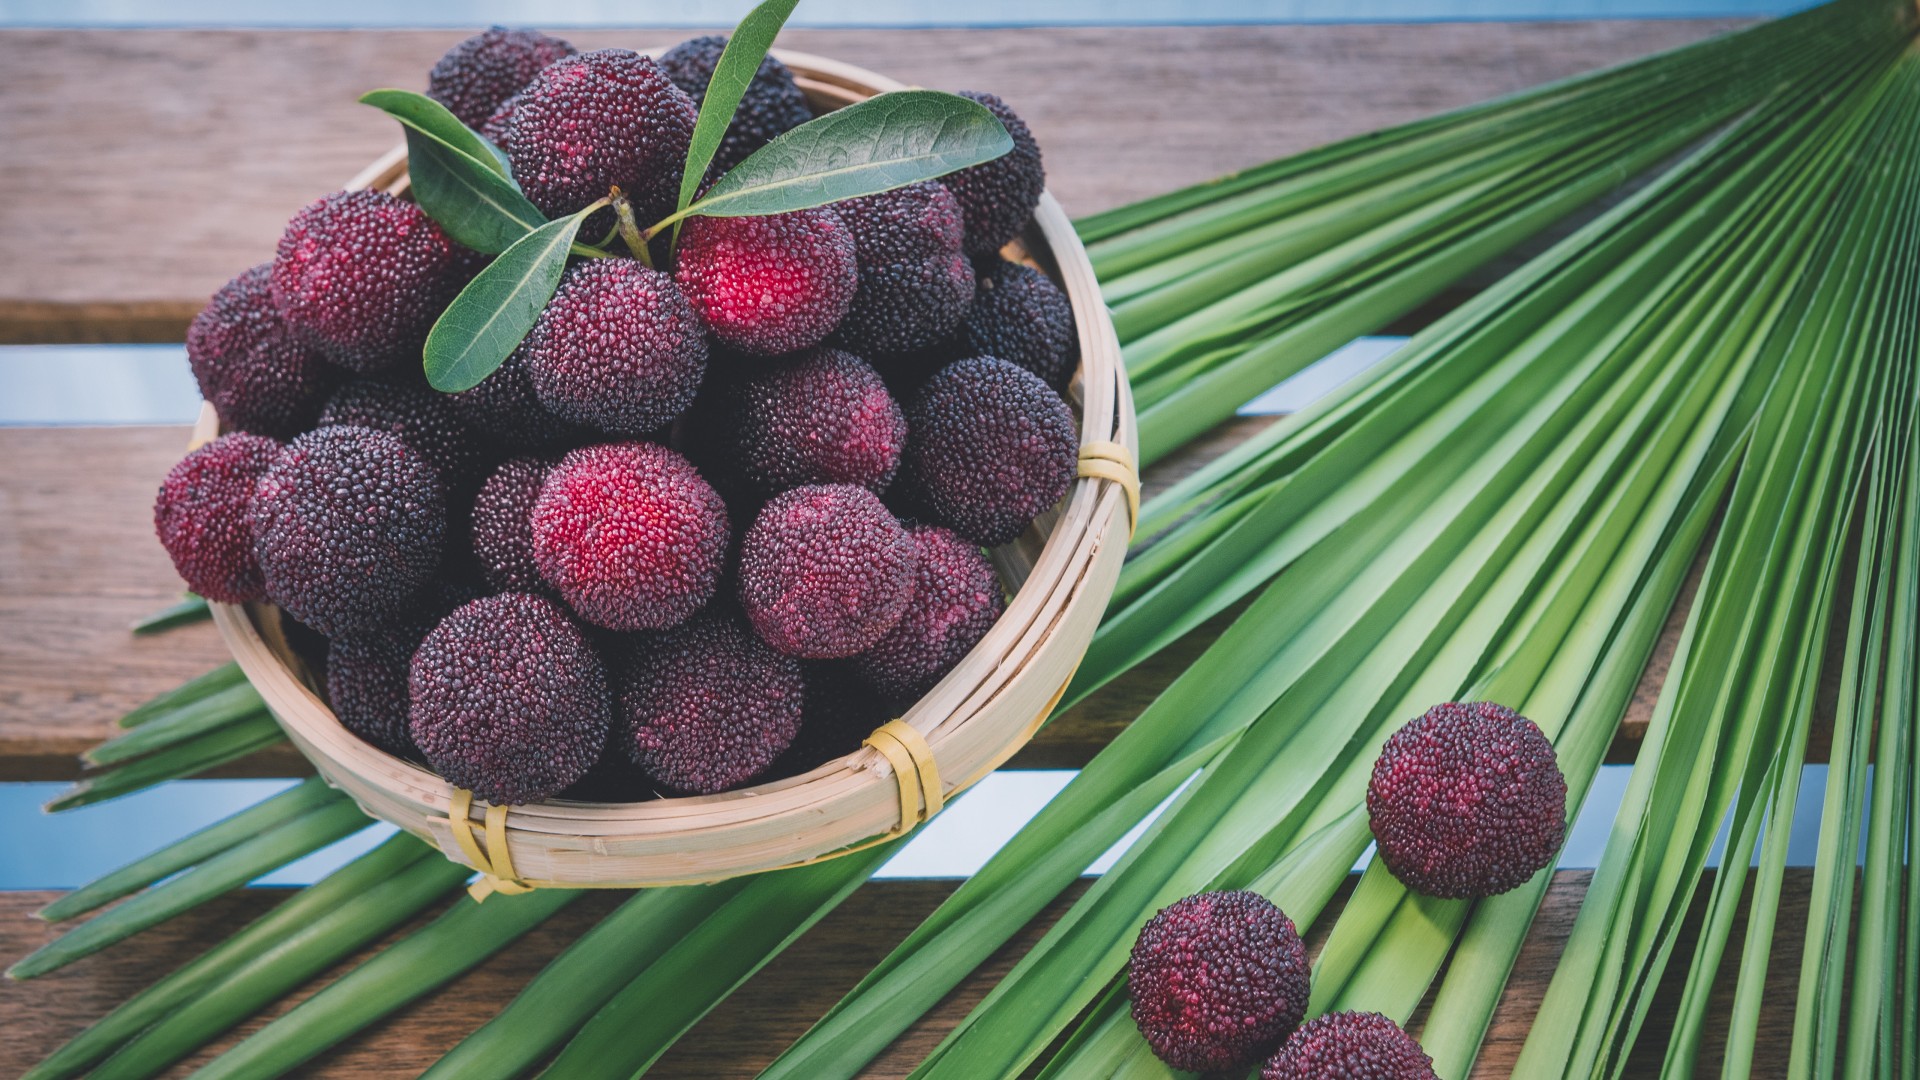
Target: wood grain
<point x="777" y="1005"/>
<point x="145" y="167"/>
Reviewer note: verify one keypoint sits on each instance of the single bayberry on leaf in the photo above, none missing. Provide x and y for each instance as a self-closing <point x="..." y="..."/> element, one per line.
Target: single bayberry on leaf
<point x="251" y="368"/>
<point x="707" y="705"/>
<point x="478" y="75"/>
<point x="825" y="571"/>
<point x="1217" y="980"/>
<point x="618" y="348"/>
<point x="768" y="285"/>
<point x="1467" y="801"/>
<point x="200" y="516"/>
<point x="1350" y="1046"/>
<point x="630" y="535"/>
<point x="509" y="699"/>
<point x="362" y="276"/>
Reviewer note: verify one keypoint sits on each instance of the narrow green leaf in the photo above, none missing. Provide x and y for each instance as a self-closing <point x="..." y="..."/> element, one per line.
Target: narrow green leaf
<point x="884" y="142"/>
<point x="487" y="321"/>
<point x="190" y="610"/>
<point x="739" y="63"/>
<point x="187" y="692"/>
<point x="475" y="206"/>
<point x="418" y="112"/>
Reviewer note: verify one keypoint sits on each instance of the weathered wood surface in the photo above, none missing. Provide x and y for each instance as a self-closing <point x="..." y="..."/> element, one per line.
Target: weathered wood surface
<point x="145" y="167"/>
<point x="777" y="1005"/>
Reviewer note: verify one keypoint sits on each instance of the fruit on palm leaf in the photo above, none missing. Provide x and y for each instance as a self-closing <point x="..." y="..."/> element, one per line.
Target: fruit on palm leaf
<point x="1349" y="1046"/>
<point x="1467" y="800"/>
<point x="509" y="699"/>
<point x="1217" y="980"/>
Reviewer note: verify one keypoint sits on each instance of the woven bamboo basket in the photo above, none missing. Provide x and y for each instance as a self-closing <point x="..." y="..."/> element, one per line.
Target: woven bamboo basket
<point x="1059" y="574"/>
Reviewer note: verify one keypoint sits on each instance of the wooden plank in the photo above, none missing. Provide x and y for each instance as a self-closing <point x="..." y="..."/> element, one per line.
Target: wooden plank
<point x="776" y="1006"/>
<point x="196" y="146"/>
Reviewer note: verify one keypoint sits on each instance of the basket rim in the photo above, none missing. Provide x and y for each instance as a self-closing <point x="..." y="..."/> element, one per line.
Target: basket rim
<point x="1075" y="563"/>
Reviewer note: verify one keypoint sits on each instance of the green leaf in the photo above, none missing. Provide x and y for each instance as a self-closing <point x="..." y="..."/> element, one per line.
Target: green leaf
<point x="881" y="143"/>
<point x="739" y="63"/>
<point x="491" y="316"/>
<point x="421" y="113"/>
<point x="475" y="206"/>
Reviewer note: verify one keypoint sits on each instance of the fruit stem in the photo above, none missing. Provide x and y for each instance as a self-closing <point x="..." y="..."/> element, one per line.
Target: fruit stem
<point x="629" y="228"/>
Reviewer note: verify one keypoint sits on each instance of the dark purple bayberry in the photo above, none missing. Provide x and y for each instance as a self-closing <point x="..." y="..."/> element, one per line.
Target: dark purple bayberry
<point x="990" y="448"/>
<point x="478" y="75"/>
<point x="251" y="368"/>
<point x="772" y="104"/>
<point x="1217" y="980"/>
<point x="825" y="571"/>
<point x="503" y="525"/>
<point x="362" y="276"/>
<point x="1350" y="1046"/>
<point x="509" y="699"/>
<point x="618" y="347"/>
<point x="348" y="525"/>
<point x="997" y="197"/>
<point x="956" y="599"/>
<point x="708" y="706"/>
<point x="824" y="417"/>
<point x="1021" y="316"/>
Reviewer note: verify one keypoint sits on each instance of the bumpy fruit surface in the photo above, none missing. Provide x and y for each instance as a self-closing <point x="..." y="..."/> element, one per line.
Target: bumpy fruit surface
<point x="367" y="682"/>
<point x="990" y="447"/>
<point x="1021" y="316"/>
<point x="630" y="535"/>
<point x="956" y="599"/>
<point x="503" y="525"/>
<point x="768" y="285"/>
<point x="509" y="700"/>
<point x="1467" y="801"/>
<point x="257" y="375"/>
<point x="504" y="408"/>
<point x="348" y="525"/>
<point x="824" y="417"/>
<point x="772" y="104"/>
<point x="362" y="276"/>
<point x="997" y="197"/>
<point x="478" y="75"/>
<point x="708" y="706"/>
<point x="1217" y="980"/>
<point x="1350" y="1046"/>
<point x="915" y="284"/>
<point x="825" y="571"/>
<point x="838" y="714"/>
<point x="200" y="516"/>
<point x="618" y="347"/>
<point x="595" y="121"/>
<point x="424" y="419"/>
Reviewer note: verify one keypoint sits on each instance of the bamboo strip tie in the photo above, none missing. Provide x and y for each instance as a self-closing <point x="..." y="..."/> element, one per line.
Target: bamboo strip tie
<point x="1110" y="461"/>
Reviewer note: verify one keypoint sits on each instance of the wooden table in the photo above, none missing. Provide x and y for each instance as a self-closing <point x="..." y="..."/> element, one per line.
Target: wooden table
<point x="143" y="168"/>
